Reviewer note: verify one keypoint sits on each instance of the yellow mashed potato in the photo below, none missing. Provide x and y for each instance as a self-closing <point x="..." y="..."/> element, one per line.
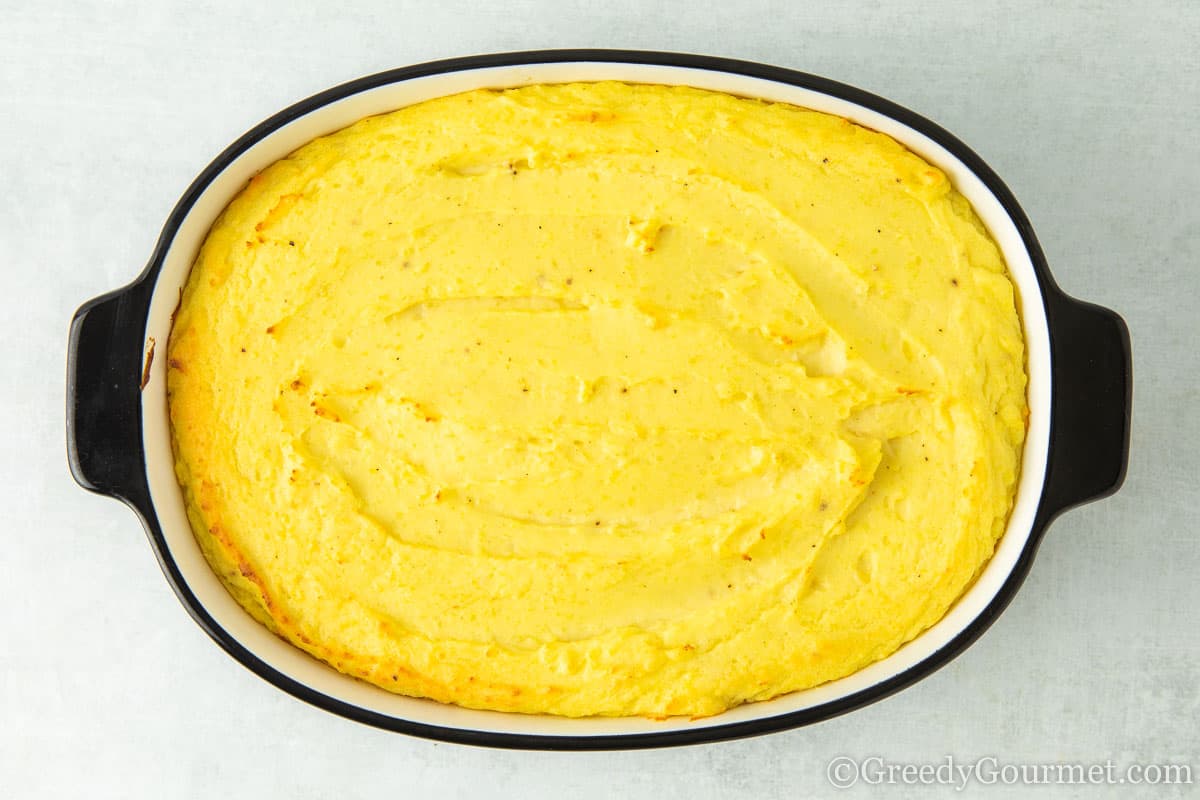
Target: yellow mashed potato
<point x="598" y="399"/>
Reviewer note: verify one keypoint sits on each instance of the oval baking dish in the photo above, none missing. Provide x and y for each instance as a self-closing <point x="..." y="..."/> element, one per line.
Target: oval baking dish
<point x="119" y="443"/>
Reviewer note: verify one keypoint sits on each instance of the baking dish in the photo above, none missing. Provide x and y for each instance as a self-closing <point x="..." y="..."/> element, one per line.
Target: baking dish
<point x="119" y="443"/>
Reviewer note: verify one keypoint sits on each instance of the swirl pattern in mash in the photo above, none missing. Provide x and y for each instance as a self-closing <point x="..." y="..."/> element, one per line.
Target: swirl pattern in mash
<point x="598" y="399"/>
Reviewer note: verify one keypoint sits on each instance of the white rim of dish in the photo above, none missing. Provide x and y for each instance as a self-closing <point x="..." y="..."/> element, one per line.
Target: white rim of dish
<point x="286" y="659"/>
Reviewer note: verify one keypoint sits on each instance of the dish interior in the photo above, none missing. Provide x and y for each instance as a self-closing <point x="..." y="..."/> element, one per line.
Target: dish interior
<point x="297" y="665"/>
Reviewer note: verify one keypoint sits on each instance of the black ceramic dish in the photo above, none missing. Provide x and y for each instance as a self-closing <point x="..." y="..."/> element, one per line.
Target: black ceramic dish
<point x="1080" y="383"/>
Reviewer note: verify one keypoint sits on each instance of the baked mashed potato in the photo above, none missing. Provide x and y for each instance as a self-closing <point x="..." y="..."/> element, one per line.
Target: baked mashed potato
<point x="598" y="399"/>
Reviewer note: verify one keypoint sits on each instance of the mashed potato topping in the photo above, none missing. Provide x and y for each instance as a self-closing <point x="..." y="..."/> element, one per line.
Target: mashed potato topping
<point x="598" y="399"/>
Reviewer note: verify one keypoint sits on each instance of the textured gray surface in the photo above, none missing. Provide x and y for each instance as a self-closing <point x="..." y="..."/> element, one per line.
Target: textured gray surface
<point x="107" y="110"/>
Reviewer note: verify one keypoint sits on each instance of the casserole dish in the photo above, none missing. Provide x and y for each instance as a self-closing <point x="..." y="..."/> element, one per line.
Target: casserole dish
<point x="1078" y="365"/>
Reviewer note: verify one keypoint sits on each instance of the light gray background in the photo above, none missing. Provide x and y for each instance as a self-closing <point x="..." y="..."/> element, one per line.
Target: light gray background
<point x="107" y="111"/>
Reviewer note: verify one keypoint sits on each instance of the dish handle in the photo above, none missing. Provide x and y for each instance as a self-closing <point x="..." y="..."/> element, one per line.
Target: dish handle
<point x="106" y="359"/>
<point x="1092" y="365"/>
